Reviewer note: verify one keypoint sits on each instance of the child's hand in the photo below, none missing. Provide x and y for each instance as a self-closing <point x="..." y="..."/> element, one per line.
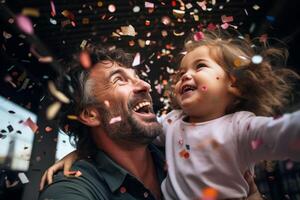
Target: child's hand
<point x="253" y="191"/>
<point x="65" y="163"/>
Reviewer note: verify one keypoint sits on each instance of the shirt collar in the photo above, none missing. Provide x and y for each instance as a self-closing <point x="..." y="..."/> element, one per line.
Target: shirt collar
<point x="115" y="175"/>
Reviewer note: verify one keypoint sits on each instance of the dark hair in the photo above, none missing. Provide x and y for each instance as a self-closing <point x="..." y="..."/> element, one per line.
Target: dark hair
<point x="73" y="82"/>
<point x="265" y="86"/>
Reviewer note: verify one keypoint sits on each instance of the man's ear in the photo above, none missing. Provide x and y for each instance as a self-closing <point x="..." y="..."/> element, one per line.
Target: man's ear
<point x="90" y="117"/>
<point x="232" y="88"/>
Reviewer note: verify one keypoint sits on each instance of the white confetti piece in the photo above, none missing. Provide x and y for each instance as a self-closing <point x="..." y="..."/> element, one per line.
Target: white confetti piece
<point x="23" y="178"/>
<point x="115" y="119"/>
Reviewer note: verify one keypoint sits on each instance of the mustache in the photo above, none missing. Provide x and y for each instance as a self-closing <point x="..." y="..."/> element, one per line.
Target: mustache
<point x="137" y="98"/>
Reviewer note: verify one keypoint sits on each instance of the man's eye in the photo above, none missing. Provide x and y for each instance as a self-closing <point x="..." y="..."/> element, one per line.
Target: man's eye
<point x="118" y="78"/>
<point x="200" y="66"/>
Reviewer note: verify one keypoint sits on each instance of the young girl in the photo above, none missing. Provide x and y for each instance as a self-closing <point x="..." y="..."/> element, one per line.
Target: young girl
<point x="225" y="89"/>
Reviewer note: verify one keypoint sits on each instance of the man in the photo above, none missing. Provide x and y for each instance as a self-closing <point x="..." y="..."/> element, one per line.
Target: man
<point x="114" y="130"/>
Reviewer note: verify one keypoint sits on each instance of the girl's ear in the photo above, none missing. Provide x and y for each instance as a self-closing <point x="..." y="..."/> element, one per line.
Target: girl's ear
<point x="232" y="86"/>
<point x="90" y="117"/>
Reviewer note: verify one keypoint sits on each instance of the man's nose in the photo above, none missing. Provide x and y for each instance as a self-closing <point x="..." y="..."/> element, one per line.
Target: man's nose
<point x="141" y="86"/>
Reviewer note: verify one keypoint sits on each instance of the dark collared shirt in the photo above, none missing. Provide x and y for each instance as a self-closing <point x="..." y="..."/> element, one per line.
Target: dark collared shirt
<point x="102" y="179"/>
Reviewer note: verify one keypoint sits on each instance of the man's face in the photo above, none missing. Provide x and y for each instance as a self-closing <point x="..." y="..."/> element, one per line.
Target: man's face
<point x="125" y="105"/>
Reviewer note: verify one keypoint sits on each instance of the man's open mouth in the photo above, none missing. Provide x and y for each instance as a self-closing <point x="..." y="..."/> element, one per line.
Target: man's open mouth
<point x="143" y="107"/>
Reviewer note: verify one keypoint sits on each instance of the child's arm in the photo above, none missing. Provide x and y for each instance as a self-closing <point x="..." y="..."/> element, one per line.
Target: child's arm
<point x="65" y="163"/>
<point x="267" y="138"/>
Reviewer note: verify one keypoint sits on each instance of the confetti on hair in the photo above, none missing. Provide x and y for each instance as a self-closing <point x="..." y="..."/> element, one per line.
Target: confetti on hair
<point x="33" y="126"/>
<point x="24" y="24"/>
<point x="226" y="19"/>
<point x="59" y="95"/>
<point x="256" y="59"/>
<point x="225" y="26"/>
<point x="136" y="60"/>
<point x="85" y="60"/>
<point x="115" y="119"/>
<point x="52" y="110"/>
<point x="136" y="9"/>
<point x="33" y="12"/>
<point x="198" y="36"/>
<point x="255" y="144"/>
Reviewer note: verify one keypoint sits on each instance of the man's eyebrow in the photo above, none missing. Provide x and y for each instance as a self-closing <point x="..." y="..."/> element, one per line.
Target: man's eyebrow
<point x="117" y="71"/>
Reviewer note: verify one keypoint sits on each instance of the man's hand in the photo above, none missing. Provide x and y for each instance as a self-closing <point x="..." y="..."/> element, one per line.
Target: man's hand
<point x="65" y="163"/>
<point x="253" y="192"/>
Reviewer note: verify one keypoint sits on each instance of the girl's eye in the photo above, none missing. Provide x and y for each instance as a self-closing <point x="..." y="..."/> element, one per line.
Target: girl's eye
<point x="200" y="66"/>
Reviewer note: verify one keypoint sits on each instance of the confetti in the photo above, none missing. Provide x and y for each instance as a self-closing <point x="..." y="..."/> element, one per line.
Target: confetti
<point x="202" y="4"/>
<point x="52" y="110"/>
<point x="128" y="30"/>
<point x="59" y="95"/>
<point x="256" y="59"/>
<point x="198" y="36"/>
<point x="112" y="8"/>
<point x="115" y="119"/>
<point x="6" y="35"/>
<point x="178" y="13"/>
<point x="68" y="14"/>
<point x="256" y="7"/>
<point x="78" y="173"/>
<point x="136" y="60"/>
<point x="53" y="10"/>
<point x="31" y="125"/>
<point x="149" y="4"/>
<point x="209" y="194"/>
<point x="24" y="24"/>
<point x="226" y="19"/>
<point x="256" y="143"/>
<point x="123" y="189"/>
<point x="85" y="60"/>
<point x="48" y="129"/>
<point x="23" y="178"/>
<point x="136" y="9"/>
<point x="225" y="26"/>
<point x="33" y="12"/>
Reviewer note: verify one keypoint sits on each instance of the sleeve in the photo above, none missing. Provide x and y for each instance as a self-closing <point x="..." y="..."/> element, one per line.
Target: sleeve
<point x="63" y="191"/>
<point x="165" y="122"/>
<point x="267" y="138"/>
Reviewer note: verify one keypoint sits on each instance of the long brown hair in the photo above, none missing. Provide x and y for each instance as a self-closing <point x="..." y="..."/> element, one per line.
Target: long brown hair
<point x="265" y="86"/>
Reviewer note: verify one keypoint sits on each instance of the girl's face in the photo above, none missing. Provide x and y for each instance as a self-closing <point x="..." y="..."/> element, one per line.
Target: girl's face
<point x="204" y="88"/>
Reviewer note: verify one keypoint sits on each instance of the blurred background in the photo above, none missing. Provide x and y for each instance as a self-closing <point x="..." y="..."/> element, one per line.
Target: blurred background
<point x="37" y="34"/>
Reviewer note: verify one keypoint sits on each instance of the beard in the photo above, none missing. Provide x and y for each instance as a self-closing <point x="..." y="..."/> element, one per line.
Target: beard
<point x="129" y="129"/>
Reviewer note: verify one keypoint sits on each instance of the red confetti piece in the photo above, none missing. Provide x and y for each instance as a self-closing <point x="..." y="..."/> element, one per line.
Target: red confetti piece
<point x="204" y="88"/>
<point x="225" y="26"/>
<point x="123" y="189"/>
<point x="31" y="125"/>
<point x="48" y="129"/>
<point x="209" y="193"/>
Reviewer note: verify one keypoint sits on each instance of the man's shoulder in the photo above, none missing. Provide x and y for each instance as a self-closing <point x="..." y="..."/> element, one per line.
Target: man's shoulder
<point x="86" y="183"/>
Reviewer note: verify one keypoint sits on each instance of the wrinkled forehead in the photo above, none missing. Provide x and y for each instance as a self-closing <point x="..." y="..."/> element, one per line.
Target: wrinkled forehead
<point x="105" y="68"/>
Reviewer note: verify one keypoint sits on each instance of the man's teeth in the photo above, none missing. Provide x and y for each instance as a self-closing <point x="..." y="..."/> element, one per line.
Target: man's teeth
<point x="140" y="105"/>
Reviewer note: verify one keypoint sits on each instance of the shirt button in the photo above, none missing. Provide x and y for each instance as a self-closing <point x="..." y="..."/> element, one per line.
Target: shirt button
<point x="122" y="189"/>
<point x="146" y="194"/>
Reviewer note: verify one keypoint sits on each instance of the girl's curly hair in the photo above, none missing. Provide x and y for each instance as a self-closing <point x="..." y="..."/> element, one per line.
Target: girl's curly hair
<point x="265" y="86"/>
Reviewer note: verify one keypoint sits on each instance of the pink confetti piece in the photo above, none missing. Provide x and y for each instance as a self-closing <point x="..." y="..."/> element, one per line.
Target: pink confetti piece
<point x="31" y="125"/>
<point x="202" y="4"/>
<point x="198" y="36"/>
<point x="225" y="26"/>
<point x="226" y="19"/>
<point x="53" y="10"/>
<point x="149" y="4"/>
<point x="24" y="24"/>
<point x="111" y="8"/>
<point x="115" y="119"/>
<point x="85" y="60"/>
<point x="204" y="88"/>
<point x="136" y="60"/>
<point x="256" y="143"/>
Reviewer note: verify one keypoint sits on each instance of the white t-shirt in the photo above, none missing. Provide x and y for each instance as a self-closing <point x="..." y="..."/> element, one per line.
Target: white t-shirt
<point x="216" y="153"/>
